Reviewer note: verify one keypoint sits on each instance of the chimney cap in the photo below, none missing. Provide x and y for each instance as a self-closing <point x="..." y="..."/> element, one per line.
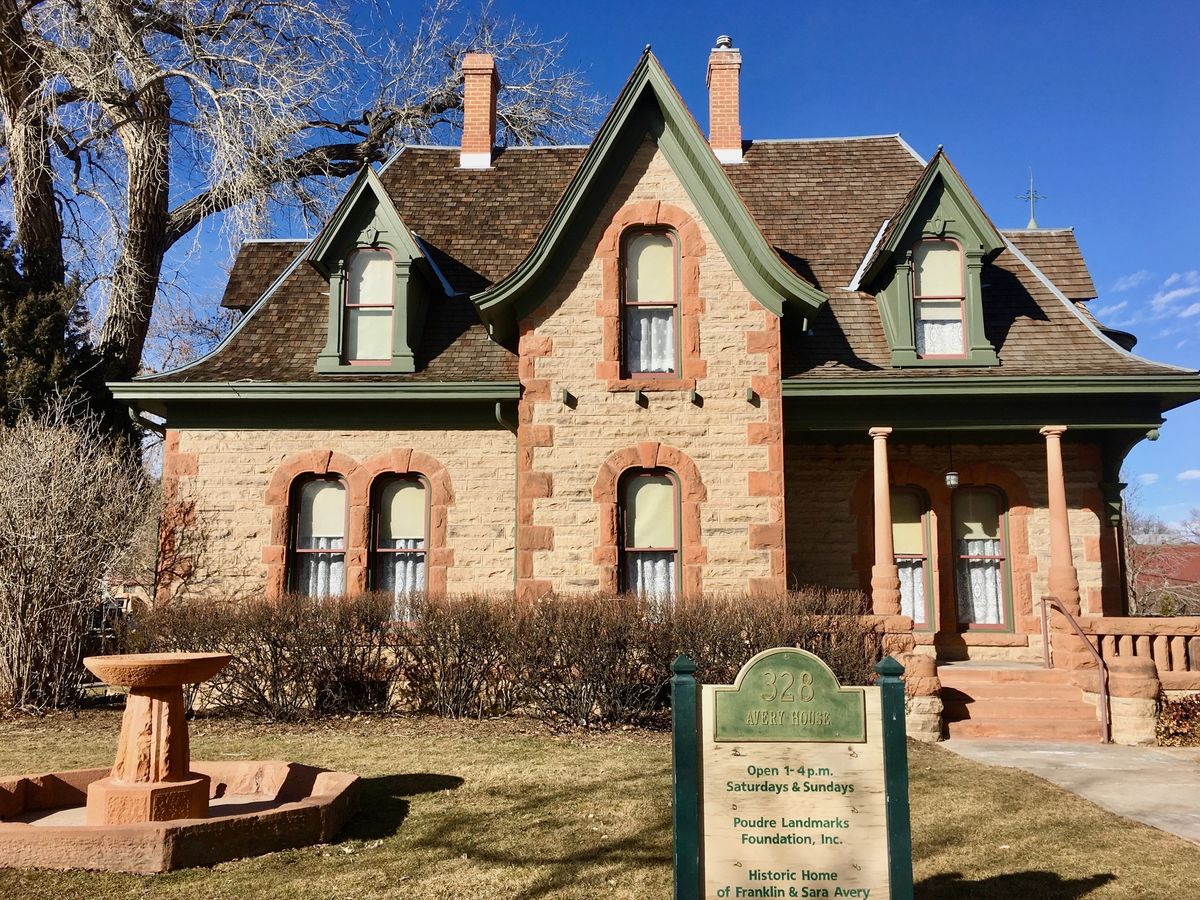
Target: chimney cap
<point x="724" y="42"/>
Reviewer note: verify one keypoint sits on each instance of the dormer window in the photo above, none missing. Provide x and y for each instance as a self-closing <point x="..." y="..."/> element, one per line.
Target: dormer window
<point x="369" y="285"/>
<point x="939" y="300"/>
<point x="650" y="305"/>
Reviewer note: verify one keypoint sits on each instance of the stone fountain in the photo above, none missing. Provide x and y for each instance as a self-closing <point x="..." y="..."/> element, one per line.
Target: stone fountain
<point x="156" y="809"/>
<point x="152" y="780"/>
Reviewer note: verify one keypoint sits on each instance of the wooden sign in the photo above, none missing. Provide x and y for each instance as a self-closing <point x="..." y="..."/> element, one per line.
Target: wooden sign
<point x="789" y="785"/>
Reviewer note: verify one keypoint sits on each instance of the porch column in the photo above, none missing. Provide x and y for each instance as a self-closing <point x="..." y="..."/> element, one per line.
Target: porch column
<point x="1062" y="580"/>
<point x="885" y="579"/>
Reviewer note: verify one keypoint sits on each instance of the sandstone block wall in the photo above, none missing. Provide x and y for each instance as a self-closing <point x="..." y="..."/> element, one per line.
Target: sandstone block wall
<point x="227" y="474"/>
<point x="734" y="443"/>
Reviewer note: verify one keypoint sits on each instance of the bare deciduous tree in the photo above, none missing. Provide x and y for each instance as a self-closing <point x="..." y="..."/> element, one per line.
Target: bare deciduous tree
<point x="128" y="122"/>
<point x="69" y="496"/>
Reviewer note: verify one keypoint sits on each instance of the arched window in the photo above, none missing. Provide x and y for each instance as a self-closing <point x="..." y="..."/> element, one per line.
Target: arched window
<point x="370" y="284"/>
<point x="318" y="559"/>
<point x="650" y="304"/>
<point x="939" y="299"/>
<point x="401" y="523"/>
<point x="910" y="539"/>
<point x="649" y="529"/>
<point x="980" y="571"/>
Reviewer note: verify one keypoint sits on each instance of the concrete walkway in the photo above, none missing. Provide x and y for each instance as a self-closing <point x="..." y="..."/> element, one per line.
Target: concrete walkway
<point x="1159" y="786"/>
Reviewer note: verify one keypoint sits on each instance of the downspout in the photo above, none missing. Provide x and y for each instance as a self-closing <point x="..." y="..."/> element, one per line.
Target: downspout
<point x="512" y="426"/>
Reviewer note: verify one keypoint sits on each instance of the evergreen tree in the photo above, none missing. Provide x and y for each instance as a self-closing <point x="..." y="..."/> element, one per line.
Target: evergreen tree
<point x="44" y="348"/>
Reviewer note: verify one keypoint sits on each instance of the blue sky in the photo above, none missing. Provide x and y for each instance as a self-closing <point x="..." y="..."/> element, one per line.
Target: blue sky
<point x="1102" y="99"/>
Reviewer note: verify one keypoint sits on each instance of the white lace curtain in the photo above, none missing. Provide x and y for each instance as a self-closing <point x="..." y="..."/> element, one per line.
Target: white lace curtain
<point x="649" y="339"/>
<point x="402" y="575"/>
<point x="979" y="589"/>
<point x="322" y="574"/>
<point x="912" y="589"/>
<point x="651" y="574"/>
<point x="939" y="328"/>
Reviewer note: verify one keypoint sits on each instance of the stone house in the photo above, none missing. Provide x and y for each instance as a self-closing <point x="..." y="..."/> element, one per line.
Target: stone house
<point x="671" y="365"/>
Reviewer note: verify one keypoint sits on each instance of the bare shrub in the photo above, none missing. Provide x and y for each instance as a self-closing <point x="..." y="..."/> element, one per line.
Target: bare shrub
<point x="458" y="656"/>
<point x="293" y="657"/>
<point x="594" y="661"/>
<point x="67" y="510"/>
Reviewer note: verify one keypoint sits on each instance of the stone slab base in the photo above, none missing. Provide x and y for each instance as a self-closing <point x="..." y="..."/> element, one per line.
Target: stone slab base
<point x="280" y="805"/>
<point x="112" y="802"/>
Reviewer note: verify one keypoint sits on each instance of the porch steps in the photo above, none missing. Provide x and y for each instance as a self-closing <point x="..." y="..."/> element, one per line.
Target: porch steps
<point x="1015" y="702"/>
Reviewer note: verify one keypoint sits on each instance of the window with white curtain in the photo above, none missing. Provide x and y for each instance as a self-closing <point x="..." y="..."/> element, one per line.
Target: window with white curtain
<point x="370" y="283"/>
<point x="319" y="538"/>
<point x="912" y="555"/>
<point x="649" y="315"/>
<point x="650" y="536"/>
<point x="980" y="561"/>
<point x="938" y="299"/>
<point x="400" y="542"/>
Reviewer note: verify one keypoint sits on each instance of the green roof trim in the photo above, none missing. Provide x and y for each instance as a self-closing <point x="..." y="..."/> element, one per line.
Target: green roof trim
<point x="398" y="236"/>
<point x="896" y="233"/>
<point x="1178" y="388"/>
<point x="648" y="104"/>
<point x="153" y="391"/>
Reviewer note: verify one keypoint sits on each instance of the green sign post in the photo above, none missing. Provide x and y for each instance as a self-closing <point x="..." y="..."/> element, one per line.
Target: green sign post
<point x="788" y="784"/>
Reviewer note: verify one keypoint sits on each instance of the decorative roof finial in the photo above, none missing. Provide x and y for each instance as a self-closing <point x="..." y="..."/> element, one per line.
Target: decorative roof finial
<point x="724" y="42"/>
<point x="1032" y="196"/>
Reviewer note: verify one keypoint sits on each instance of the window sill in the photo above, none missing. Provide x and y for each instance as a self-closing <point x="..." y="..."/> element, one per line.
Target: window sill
<point x="335" y="365"/>
<point x="648" y="385"/>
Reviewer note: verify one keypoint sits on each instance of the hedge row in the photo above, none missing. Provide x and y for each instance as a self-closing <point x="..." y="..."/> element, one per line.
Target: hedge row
<point x="574" y="660"/>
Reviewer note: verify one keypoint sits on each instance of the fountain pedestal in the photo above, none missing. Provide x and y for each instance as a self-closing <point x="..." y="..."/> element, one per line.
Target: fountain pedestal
<point x="151" y="780"/>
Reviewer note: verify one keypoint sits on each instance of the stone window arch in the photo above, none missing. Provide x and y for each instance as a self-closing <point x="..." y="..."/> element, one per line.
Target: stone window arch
<point x="650" y="456"/>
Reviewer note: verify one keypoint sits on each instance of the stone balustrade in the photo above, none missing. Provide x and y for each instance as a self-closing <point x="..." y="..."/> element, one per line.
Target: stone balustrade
<point x="1173" y="644"/>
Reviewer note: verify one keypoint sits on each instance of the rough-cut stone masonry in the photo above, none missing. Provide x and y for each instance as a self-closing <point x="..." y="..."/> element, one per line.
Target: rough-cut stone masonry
<point x="734" y="442"/>
<point x="229" y="476"/>
<point x="829" y="513"/>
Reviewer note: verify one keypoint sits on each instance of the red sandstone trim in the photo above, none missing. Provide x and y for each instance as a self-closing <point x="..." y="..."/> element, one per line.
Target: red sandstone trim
<point x="651" y="214"/>
<point x="768" y="483"/>
<point x="532" y="485"/>
<point x="359" y="479"/>
<point x="649" y="455"/>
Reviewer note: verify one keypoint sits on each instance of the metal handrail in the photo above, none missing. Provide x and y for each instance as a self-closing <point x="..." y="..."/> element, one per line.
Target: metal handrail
<point x="1102" y="666"/>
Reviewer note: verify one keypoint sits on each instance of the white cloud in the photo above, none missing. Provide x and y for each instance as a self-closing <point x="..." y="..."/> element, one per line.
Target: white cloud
<point x="1188" y="475"/>
<point x="1113" y="309"/>
<point x="1148" y="478"/>
<point x="1192" y="310"/>
<point x="1128" y="282"/>
<point x="1178" y="286"/>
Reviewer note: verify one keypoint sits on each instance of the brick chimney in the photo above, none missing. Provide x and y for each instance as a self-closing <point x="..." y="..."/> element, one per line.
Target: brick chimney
<point x="480" y="84"/>
<point x="724" y="123"/>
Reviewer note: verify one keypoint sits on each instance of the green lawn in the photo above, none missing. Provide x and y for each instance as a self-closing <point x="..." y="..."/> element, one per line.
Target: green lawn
<point x="509" y="810"/>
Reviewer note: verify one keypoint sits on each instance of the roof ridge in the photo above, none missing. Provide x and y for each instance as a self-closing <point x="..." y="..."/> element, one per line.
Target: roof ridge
<point x="287" y="240"/>
<point x="1070" y="228"/>
<point x="815" y="140"/>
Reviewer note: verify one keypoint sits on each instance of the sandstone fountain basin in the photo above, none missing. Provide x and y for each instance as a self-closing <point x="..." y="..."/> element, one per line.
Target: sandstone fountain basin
<point x="156" y="809"/>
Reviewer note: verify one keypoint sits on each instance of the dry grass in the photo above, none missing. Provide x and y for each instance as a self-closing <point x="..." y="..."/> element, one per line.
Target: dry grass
<point x="508" y="810"/>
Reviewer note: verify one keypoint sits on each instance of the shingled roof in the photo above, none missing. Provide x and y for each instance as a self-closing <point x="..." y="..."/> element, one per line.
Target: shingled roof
<point x="1056" y="253"/>
<point x="258" y="263"/>
<point x="820" y="204"/>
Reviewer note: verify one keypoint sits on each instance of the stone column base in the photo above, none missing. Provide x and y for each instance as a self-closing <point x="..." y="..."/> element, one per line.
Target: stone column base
<point x="923" y="706"/>
<point x="112" y="802"/>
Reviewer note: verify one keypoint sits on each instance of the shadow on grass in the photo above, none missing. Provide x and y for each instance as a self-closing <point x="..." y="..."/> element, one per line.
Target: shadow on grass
<point x="383" y="802"/>
<point x="1039" y="885"/>
<point x="571" y="852"/>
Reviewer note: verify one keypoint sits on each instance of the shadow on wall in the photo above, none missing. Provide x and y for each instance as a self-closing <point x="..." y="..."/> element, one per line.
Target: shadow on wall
<point x="383" y="802"/>
<point x="1039" y="885"/>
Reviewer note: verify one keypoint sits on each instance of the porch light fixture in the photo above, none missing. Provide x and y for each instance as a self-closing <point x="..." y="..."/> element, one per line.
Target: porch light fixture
<point x="951" y="474"/>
